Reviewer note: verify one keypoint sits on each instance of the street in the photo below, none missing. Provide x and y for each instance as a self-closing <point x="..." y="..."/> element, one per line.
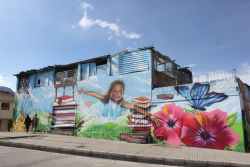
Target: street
<point x="17" y="157"/>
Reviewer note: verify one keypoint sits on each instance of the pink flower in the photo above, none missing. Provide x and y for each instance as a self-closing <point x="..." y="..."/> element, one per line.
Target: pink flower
<point x="208" y="130"/>
<point x="170" y="127"/>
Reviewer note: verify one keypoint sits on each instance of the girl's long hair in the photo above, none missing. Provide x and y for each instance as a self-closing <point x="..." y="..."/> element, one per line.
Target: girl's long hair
<point x="111" y="86"/>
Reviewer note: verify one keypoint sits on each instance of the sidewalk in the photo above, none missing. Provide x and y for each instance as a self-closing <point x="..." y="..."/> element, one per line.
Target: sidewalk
<point x="121" y="150"/>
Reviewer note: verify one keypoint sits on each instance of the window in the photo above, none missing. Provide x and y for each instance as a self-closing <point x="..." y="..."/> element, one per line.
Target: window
<point x="99" y="69"/>
<point x="23" y="83"/>
<point x="38" y="82"/>
<point x="133" y="62"/>
<point x="66" y="76"/>
<point x="5" y="106"/>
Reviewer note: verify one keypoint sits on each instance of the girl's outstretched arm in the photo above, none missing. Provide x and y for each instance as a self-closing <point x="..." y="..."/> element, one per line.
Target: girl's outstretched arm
<point x="90" y="93"/>
<point x="143" y="111"/>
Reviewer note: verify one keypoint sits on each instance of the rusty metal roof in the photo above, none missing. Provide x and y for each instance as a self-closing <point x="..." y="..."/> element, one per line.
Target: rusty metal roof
<point x="48" y="68"/>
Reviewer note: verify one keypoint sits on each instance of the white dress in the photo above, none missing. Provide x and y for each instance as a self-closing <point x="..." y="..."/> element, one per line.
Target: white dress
<point x="107" y="112"/>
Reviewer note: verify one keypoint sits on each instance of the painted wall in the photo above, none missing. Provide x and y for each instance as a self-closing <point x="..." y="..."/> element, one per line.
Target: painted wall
<point x="36" y="100"/>
<point x="206" y="115"/>
<point x="106" y="119"/>
<point x="109" y="120"/>
<point x="245" y="107"/>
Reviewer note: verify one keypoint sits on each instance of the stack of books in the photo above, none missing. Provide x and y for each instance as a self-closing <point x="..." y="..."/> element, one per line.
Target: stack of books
<point x="64" y="112"/>
<point x="140" y="122"/>
<point x="64" y="100"/>
<point x="142" y="102"/>
<point x="63" y="117"/>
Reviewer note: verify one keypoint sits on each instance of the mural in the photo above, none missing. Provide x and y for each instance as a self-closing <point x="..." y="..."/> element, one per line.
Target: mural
<point x="105" y="104"/>
<point x="34" y="100"/>
<point x="198" y="97"/>
<point x="107" y="98"/>
<point x="245" y="106"/>
<point x="199" y="118"/>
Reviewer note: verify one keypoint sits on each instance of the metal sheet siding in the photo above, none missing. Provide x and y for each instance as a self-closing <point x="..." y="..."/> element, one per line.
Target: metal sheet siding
<point x="133" y="62"/>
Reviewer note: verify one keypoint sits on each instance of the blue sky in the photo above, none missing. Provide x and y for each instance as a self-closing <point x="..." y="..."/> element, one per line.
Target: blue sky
<point x="205" y="35"/>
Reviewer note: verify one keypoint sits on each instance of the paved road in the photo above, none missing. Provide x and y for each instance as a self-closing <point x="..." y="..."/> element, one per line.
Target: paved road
<point x="18" y="157"/>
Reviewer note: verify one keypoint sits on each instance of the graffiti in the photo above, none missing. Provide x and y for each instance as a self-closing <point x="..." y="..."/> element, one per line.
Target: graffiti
<point x="198" y="97"/>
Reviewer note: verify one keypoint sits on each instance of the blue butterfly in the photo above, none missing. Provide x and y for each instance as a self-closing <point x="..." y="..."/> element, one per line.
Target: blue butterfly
<point x="199" y="96"/>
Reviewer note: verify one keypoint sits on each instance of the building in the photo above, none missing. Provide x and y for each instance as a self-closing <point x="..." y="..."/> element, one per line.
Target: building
<point x="7" y="100"/>
<point x="135" y="92"/>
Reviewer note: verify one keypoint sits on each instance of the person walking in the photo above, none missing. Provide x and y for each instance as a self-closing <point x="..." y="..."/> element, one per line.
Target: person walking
<point x="27" y="123"/>
<point x="36" y="120"/>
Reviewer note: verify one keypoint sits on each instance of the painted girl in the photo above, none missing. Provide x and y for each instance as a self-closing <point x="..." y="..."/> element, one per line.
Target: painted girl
<point x="109" y="106"/>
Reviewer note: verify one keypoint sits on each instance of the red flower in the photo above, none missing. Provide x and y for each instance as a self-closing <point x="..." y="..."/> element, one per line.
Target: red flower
<point x="208" y="130"/>
<point x="170" y="127"/>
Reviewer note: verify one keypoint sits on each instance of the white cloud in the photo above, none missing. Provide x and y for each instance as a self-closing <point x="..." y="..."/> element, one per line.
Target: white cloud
<point x="131" y="35"/>
<point x="243" y="72"/>
<point x="32" y="97"/>
<point x="110" y="37"/>
<point x="190" y="65"/>
<point x="118" y="43"/>
<point x="143" y="81"/>
<point x="142" y="89"/>
<point x="91" y="83"/>
<point x="73" y="26"/>
<point x="86" y="5"/>
<point x="85" y="22"/>
<point x="8" y="82"/>
<point x="51" y="91"/>
<point x="128" y="97"/>
<point x="112" y="26"/>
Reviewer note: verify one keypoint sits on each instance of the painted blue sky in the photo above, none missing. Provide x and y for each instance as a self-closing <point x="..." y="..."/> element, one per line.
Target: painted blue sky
<point x="204" y="35"/>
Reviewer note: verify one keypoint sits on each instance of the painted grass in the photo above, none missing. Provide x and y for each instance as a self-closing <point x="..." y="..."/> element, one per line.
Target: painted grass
<point x="109" y="130"/>
<point x="100" y="135"/>
<point x="40" y="126"/>
<point x="239" y="147"/>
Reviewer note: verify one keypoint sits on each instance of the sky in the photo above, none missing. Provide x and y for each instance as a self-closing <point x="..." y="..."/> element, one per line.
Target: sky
<point x="208" y="36"/>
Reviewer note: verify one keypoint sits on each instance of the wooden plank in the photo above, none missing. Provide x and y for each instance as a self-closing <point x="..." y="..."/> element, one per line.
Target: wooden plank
<point x="138" y="137"/>
<point x="125" y="136"/>
<point x="62" y="132"/>
<point x="132" y="140"/>
<point x="65" y="105"/>
<point x="165" y="96"/>
<point x="65" y="84"/>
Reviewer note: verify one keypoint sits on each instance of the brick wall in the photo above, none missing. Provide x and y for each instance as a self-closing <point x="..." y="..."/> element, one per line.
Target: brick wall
<point x="163" y="80"/>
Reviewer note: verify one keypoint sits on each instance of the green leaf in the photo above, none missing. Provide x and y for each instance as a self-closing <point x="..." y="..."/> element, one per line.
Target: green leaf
<point x="191" y="111"/>
<point x="231" y="119"/>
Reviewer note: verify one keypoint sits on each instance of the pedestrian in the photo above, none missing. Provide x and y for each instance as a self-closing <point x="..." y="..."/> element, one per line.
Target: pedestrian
<point x="36" y="120"/>
<point x="27" y="123"/>
<point x="32" y="124"/>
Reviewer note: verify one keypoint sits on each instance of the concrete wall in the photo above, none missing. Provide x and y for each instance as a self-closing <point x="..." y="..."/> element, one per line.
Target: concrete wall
<point x="6" y="115"/>
<point x="106" y="119"/>
<point x="245" y="107"/>
<point x="206" y="115"/>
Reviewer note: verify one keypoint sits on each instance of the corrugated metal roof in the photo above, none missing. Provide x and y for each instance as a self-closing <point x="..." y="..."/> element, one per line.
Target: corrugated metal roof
<point x="48" y="68"/>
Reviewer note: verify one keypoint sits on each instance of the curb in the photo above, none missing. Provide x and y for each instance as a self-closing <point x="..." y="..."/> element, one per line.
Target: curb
<point x="37" y="135"/>
<point x="122" y="157"/>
